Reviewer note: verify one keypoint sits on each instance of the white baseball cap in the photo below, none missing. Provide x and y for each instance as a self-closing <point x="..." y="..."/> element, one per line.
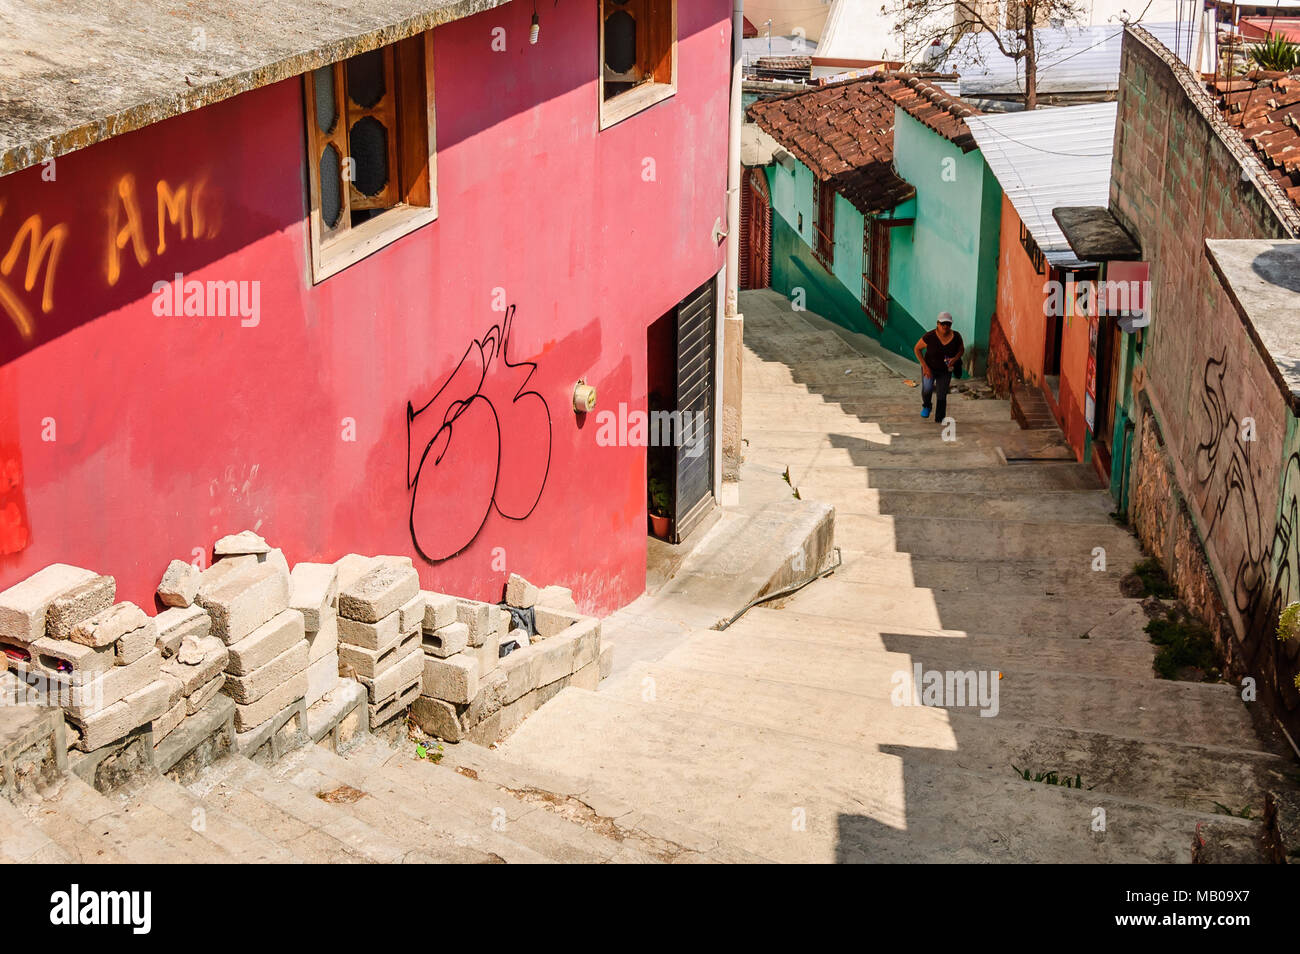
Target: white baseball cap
<point x="945" y="318"/>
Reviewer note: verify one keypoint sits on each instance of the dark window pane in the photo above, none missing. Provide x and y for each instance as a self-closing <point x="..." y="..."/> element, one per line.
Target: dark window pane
<point x="620" y="41"/>
<point x="331" y="196"/>
<point x="368" y="141"/>
<point x="366" y="78"/>
<point x="326" y="114"/>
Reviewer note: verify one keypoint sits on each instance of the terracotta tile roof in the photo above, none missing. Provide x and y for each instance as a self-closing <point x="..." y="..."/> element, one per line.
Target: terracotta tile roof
<point x="784" y="63"/>
<point x="1265" y="108"/>
<point x="844" y="133"/>
<point x="925" y="102"/>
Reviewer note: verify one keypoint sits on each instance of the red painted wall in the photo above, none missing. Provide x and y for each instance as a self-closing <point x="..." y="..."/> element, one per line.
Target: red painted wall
<point x="168" y="432"/>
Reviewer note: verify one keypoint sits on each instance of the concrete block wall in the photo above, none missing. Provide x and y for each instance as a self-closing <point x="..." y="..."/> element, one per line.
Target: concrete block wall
<point x="268" y="657"/>
<point x="1209" y="470"/>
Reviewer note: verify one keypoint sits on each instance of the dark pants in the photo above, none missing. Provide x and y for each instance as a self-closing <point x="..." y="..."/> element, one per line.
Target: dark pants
<point x="936" y="387"/>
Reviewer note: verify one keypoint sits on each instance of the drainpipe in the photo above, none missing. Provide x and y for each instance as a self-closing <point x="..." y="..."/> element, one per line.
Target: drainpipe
<point x="733" y="324"/>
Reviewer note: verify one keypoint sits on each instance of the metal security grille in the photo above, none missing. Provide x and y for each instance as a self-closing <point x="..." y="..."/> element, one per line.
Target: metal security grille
<point x="696" y="331"/>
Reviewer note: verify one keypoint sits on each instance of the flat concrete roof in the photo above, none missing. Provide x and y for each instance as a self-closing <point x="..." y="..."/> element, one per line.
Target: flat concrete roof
<point x="1262" y="277"/>
<point x="1094" y="234"/>
<point x="76" y="72"/>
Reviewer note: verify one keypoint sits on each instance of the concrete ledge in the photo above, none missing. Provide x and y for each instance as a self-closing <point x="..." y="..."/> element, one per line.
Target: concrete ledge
<point x="200" y="740"/>
<point x="33" y="748"/>
<point x="282" y="733"/>
<point x="112" y="766"/>
<point x="340" y="718"/>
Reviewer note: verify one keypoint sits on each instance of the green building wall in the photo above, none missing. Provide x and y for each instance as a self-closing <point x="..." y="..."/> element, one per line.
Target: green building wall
<point x="946" y="261"/>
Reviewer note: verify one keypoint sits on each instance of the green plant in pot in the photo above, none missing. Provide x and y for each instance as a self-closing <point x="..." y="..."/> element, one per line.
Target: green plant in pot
<point x="660" y="506"/>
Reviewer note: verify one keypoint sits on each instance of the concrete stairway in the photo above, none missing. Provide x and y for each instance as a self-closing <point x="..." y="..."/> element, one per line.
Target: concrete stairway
<point x="780" y="736"/>
<point x="376" y="804"/>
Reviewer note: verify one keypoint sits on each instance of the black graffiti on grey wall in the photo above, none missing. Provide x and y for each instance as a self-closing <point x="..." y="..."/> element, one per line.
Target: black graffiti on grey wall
<point x="482" y="443"/>
<point x="1266" y="563"/>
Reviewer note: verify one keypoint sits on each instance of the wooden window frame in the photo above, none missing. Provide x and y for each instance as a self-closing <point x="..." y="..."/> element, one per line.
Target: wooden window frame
<point x="824" y="224"/>
<point x="410" y="199"/>
<point x="663" y="85"/>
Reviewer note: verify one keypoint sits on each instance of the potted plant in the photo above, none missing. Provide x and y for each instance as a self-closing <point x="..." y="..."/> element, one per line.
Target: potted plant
<point x="660" y="502"/>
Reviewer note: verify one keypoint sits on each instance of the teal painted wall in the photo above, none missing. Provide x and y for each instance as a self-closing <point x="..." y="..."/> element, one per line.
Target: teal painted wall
<point x="947" y="260"/>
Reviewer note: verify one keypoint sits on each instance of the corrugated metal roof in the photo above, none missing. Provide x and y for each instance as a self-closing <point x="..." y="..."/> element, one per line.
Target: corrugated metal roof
<point x="1046" y="158"/>
<point x="1071" y="59"/>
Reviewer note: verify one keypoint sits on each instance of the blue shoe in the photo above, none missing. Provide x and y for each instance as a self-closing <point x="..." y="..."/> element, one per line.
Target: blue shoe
<point x="925" y="412"/>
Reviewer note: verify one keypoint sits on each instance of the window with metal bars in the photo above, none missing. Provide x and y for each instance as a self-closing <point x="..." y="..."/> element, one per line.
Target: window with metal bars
<point x="371" y="158"/>
<point x="824" y="226"/>
<point x="638" y="56"/>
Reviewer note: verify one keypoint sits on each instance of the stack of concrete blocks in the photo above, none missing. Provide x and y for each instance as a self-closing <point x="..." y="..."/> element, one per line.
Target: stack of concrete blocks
<point x="380" y="612"/>
<point x="471" y="691"/>
<point x="62" y="630"/>
<point x="193" y="660"/>
<point x="314" y="592"/>
<point x="246" y="594"/>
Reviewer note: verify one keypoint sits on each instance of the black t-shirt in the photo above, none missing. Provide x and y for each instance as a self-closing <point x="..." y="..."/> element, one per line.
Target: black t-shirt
<point x="936" y="351"/>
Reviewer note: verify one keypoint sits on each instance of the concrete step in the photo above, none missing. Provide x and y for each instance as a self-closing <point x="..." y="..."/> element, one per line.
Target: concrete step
<point x="238" y="838"/>
<point x="1139" y="706"/>
<point x="888" y="605"/>
<point x="1178" y="775"/>
<point x="475" y="813"/>
<point x="796" y="401"/>
<point x="757" y="787"/>
<point x="971" y="448"/>
<point x="21" y="842"/>
<point x="957" y="538"/>
<point x="999" y="478"/>
<point x="315" y="831"/>
<point x="1007" y="577"/>
<point x="94" y="828"/>
<point x="1084" y="506"/>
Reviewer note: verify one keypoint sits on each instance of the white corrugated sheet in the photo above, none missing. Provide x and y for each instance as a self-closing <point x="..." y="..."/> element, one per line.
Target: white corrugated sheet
<point x="1047" y="158"/>
<point x="1070" y="59"/>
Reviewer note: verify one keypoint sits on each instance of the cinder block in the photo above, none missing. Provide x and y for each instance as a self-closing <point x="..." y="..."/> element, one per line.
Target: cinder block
<point x="24" y="605"/>
<point x="454" y="679"/>
<point x="204" y="695"/>
<point x="131" y="646"/>
<point x="193" y="677"/>
<point x="501" y="622"/>
<point x="276" y="558"/>
<point x="488" y="655"/>
<point x="378" y="593"/>
<point x="59" y="657"/>
<point x="352" y="568"/>
<point x="235" y="544"/>
<point x="379" y="714"/>
<point x="410" y="615"/>
<point x="108" y="626"/>
<point x="266" y="642"/>
<point x="588" y="677"/>
<point x="257" y="683"/>
<point x="243" y="601"/>
<point x="396" y="677"/>
<point x="169" y="720"/>
<point x="362" y="663"/>
<point x="439" y="610"/>
<point x="79" y="603"/>
<point x="447" y="641"/>
<point x="107" y="725"/>
<point x="606" y="658"/>
<point x="558" y="654"/>
<point x="175" y="624"/>
<point x="175" y="688"/>
<point x="313" y="591"/>
<point x="112" y="686"/>
<point x="557" y="598"/>
<point x="324" y="641"/>
<point x="322" y="677"/>
<point x="248" y="717"/>
<point x="587" y="632"/>
<point x="549" y="622"/>
<point x="488" y="701"/>
<point x="180" y="584"/>
<point x="522" y="669"/>
<point x="437" y="718"/>
<point x="216" y="574"/>
<point x="378" y="636"/>
<point x="521" y="593"/>
<point x="476" y="616"/>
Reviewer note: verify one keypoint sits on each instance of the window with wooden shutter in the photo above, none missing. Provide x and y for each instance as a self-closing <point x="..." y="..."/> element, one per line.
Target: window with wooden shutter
<point x="824" y="246"/>
<point x="638" y="56"/>
<point x="371" y="161"/>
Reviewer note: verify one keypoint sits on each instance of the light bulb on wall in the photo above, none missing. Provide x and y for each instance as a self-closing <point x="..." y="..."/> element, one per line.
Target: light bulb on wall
<point x="536" y="31"/>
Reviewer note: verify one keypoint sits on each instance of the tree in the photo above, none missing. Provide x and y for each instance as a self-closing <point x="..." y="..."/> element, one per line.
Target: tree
<point x="1012" y="26"/>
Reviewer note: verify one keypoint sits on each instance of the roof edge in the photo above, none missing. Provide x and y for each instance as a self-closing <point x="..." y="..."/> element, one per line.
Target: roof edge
<point x="23" y="155"/>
